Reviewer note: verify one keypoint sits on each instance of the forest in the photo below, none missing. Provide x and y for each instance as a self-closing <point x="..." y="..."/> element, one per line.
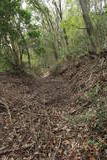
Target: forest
<point x="53" y="79"/>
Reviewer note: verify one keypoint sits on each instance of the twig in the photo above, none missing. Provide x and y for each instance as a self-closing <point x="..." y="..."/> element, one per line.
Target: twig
<point x="4" y="150"/>
<point x="81" y="107"/>
<point x="56" y="151"/>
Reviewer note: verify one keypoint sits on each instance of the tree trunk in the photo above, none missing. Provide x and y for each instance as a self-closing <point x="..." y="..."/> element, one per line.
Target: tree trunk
<point x="59" y="12"/>
<point x="89" y="26"/>
<point x="27" y="49"/>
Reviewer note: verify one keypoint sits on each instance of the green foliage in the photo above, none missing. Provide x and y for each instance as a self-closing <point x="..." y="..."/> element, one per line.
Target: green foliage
<point x="4" y="63"/>
<point x="101" y="119"/>
<point x="41" y="32"/>
<point x="25" y="16"/>
<point x="34" y="32"/>
<point x="93" y="93"/>
<point x="83" y="118"/>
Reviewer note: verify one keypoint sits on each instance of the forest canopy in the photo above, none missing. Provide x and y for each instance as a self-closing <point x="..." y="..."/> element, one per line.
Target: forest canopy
<point x="40" y="33"/>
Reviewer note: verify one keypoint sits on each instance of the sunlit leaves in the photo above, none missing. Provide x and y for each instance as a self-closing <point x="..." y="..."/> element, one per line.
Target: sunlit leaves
<point x="25" y="16"/>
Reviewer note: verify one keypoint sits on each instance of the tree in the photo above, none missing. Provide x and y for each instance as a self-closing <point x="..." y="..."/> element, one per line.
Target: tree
<point x="89" y="26"/>
<point x="14" y="21"/>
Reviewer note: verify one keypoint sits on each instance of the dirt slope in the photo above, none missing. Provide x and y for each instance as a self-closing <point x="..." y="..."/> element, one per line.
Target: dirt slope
<point x="55" y="118"/>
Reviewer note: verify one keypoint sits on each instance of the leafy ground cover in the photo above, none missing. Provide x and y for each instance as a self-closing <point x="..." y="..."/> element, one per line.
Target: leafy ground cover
<point x="62" y="117"/>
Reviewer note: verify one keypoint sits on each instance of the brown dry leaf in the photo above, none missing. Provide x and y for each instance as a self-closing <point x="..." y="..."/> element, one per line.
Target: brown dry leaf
<point x="66" y="142"/>
<point x="43" y="109"/>
<point x="92" y="158"/>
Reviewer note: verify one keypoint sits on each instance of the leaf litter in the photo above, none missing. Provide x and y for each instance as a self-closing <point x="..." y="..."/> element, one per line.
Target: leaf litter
<point x="61" y="117"/>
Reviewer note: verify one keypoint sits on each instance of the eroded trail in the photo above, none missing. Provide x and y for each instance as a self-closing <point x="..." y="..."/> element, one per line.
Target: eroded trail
<point x="31" y="116"/>
<point x="36" y="115"/>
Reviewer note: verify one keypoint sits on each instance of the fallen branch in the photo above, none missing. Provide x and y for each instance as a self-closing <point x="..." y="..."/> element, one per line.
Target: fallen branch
<point x="81" y="107"/>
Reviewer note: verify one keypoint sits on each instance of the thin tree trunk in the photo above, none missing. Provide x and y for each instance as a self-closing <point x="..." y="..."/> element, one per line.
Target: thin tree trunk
<point x="60" y="14"/>
<point x="27" y="50"/>
<point x="88" y="23"/>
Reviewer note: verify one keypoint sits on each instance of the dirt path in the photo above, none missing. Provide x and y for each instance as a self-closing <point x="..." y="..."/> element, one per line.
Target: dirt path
<point x="31" y="113"/>
<point x="36" y="115"/>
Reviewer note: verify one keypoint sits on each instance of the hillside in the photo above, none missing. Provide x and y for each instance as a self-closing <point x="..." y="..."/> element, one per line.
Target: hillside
<point x="62" y="117"/>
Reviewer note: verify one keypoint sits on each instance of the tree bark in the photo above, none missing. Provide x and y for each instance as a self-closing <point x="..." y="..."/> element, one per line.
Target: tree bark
<point x="60" y="14"/>
<point x="89" y="26"/>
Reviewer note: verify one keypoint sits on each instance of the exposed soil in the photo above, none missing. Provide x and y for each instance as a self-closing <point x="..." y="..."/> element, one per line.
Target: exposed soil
<point x="37" y="114"/>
